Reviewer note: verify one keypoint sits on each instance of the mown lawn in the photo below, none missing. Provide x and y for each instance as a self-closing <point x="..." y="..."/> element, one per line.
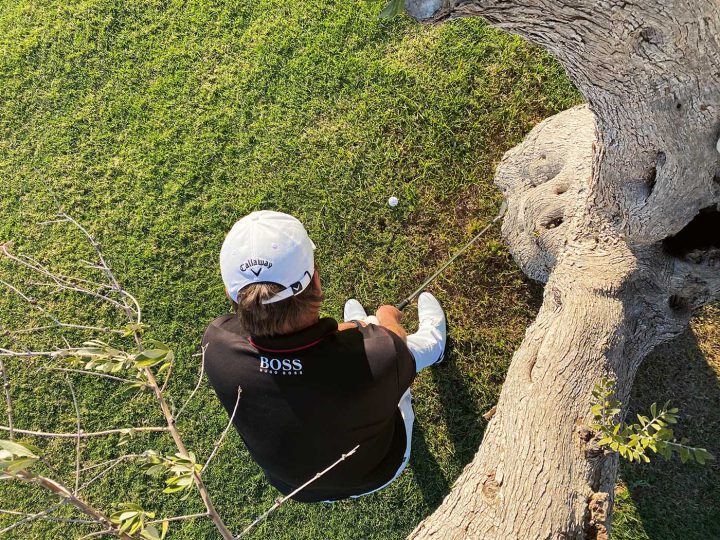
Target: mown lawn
<point x="157" y="124"/>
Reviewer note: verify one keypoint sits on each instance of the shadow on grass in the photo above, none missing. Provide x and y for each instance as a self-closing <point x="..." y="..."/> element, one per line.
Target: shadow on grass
<point x="461" y="413"/>
<point x="675" y="500"/>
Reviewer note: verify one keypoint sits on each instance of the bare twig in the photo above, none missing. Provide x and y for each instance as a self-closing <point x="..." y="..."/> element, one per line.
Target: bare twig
<point x="109" y="461"/>
<point x="58" y="323"/>
<point x="37" y="354"/>
<point x="167" y="376"/>
<point x="114" y="463"/>
<point x="64" y="287"/>
<point x="86" y="434"/>
<point x="197" y="386"/>
<point x="37" y="329"/>
<point x="97" y="533"/>
<point x="79" y="430"/>
<point x="47" y="517"/>
<point x="30" y="517"/>
<point x="93" y="373"/>
<point x="216" y="446"/>
<point x="60" y="281"/>
<point x="106" y="268"/>
<point x="282" y="501"/>
<point x="179" y="518"/>
<point x="8" y="397"/>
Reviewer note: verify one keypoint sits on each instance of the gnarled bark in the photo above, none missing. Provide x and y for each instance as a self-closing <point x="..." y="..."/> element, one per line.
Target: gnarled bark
<point x="617" y="207"/>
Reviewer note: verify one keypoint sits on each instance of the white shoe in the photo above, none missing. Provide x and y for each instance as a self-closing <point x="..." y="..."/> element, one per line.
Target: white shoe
<point x="431" y="314"/>
<point x="354" y="311"/>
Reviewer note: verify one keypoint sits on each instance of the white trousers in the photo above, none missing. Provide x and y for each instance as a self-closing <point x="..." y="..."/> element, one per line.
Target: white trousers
<point x="427" y="346"/>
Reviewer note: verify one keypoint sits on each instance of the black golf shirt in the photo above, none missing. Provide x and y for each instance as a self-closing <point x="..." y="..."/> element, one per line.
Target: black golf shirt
<point x="309" y="397"/>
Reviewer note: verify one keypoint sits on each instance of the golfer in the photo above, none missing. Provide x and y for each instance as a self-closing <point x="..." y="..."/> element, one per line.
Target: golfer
<point x="312" y="389"/>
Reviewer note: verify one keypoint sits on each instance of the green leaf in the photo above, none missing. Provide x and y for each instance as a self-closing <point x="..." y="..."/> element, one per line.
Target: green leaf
<point x="20" y="464"/>
<point x="393" y="9"/>
<point x="16" y="449"/>
<point x="151" y="533"/>
<point x="152" y="354"/>
<point x="653" y="409"/>
<point x="164" y="367"/>
<point x="156" y="470"/>
<point x="185" y="481"/>
<point x="165" y="526"/>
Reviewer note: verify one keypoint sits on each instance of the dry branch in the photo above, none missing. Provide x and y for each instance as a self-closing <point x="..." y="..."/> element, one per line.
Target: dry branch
<point x="216" y="446"/>
<point x="85" y="434"/>
<point x="284" y="499"/>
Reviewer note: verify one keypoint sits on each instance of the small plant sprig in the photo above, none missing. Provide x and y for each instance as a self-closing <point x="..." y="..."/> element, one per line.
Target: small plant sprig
<point x="632" y="441"/>
<point x="133" y="520"/>
<point x="179" y="467"/>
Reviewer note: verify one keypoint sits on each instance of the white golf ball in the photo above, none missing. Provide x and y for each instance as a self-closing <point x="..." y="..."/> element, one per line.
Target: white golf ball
<point x="393" y="201"/>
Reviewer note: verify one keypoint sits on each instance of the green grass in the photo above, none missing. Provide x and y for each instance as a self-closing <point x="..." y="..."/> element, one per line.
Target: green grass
<point x="158" y="124"/>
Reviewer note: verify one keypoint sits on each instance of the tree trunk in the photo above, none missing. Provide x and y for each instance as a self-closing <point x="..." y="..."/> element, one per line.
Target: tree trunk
<point x="616" y="206"/>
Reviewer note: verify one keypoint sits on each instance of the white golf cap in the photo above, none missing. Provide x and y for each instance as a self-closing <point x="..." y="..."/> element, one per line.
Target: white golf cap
<point x="267" y="247"/>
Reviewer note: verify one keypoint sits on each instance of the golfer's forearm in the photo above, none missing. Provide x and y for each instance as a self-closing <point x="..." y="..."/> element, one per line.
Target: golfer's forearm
<point x="396" y="328"/>
<point x="389" y="317"/>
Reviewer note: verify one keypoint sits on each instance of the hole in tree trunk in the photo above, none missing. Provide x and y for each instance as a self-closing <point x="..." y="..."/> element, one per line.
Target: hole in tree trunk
<point x="651" y="179"/>
<point x="678" y="303"/>
<point x="556" y="222"/>
<point x="699" y="240"/>
<point x="651" y="176"/>
<point x="716" y="178"/>
<point x="553" y="222"/>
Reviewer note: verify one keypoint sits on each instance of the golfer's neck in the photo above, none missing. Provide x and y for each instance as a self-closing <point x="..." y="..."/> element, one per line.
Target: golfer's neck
<point x="310" y="318"/>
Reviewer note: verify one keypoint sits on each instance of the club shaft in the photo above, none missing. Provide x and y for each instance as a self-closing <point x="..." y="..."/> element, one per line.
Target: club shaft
<point x="402" y="305"/>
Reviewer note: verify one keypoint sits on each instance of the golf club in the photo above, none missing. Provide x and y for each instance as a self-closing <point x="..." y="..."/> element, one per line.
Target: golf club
<point x="406" y="302"/>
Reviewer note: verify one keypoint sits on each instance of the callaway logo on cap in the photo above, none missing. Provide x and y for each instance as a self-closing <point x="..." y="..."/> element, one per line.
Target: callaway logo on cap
<point x="267" y="247"/>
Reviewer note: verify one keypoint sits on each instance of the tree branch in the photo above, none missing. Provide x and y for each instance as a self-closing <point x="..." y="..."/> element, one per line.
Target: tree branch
<point x="197" y="386"/>
<point x="216" y="446"/>
<point x="8" y="398"/>
<point x="282" y="501"/>
<point x="45" y="517"/>
<point x="85" y="434"/>
<point x="28" y="517"/>
<point x="93" y="373"/>
<point x="79" y="430"/>
<point x="67" y="495"/>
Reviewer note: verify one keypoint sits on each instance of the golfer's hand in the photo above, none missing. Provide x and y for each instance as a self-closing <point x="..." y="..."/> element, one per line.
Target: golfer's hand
<point x="389" y="314"/>
<point x="389" y="317"/>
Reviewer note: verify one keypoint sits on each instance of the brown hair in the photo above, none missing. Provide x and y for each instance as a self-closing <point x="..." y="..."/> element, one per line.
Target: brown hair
<point x="281" y="317"/>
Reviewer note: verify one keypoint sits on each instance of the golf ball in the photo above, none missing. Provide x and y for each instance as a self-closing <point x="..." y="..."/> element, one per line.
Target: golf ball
<point x="393" y="201"/>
